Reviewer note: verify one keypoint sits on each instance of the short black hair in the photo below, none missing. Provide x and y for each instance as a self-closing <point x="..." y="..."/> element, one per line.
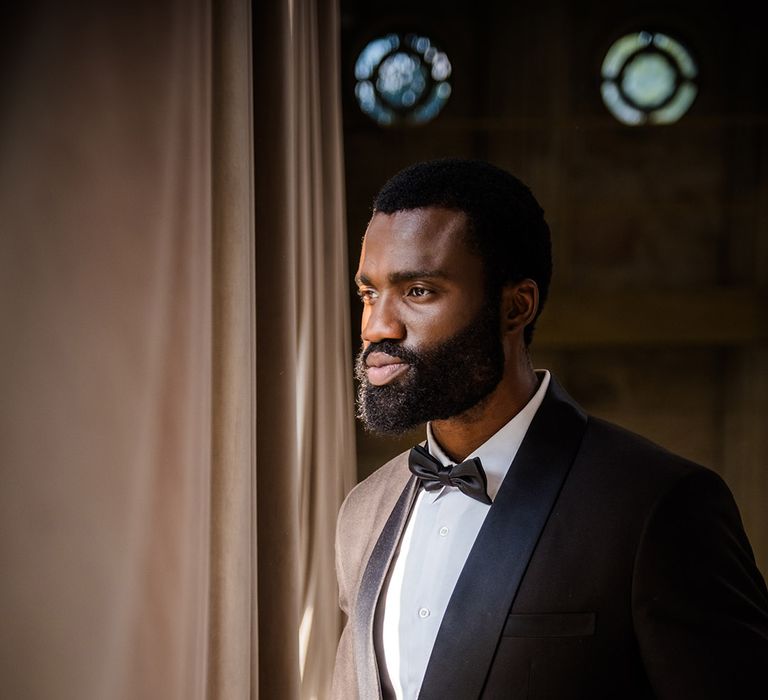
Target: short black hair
<point x="507" y="226"/>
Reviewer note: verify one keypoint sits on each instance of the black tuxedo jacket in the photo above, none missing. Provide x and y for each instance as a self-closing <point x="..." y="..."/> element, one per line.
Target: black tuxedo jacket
<point x="607" y="567"/>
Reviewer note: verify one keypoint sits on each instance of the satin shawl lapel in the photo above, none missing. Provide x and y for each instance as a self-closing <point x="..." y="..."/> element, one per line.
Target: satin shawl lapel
<point x="370" y="588"/>
<point x="486" y="589"/>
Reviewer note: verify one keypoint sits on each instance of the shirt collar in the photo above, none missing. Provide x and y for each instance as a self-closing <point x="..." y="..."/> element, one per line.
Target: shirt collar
<point x="498" y="451"/>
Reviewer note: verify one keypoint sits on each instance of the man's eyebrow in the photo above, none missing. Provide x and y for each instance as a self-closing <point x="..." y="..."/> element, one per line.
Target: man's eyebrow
<point x="403" y="276"/>
<point x="410" y="275"/>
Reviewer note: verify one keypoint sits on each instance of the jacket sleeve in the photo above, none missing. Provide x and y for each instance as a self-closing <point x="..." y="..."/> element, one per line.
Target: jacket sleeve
<point x="344" y="676"/>
<point x="700" y="605"/>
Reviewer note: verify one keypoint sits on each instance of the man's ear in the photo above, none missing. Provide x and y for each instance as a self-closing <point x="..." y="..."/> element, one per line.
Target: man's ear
<point x="519" y="303"/>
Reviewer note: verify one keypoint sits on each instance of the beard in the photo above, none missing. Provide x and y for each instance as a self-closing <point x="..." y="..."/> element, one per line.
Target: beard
<point x="442" y="381"/>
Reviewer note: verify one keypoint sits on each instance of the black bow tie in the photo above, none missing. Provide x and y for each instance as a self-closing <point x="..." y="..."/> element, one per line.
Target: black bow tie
<point x="468" y="477"/>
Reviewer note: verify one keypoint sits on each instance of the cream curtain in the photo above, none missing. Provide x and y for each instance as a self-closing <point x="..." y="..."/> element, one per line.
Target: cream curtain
<point x="175" y="408"/>
<point x="303" y="366"/>
<point x="326" y="447"/>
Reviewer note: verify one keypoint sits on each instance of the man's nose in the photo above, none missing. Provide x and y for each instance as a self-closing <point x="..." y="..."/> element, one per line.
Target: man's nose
<point x="382" y="322"/>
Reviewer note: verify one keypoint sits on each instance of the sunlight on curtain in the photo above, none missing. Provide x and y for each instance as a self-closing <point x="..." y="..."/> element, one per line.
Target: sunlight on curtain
<point x="300" y="221"/>
<point x="324" y="382"/>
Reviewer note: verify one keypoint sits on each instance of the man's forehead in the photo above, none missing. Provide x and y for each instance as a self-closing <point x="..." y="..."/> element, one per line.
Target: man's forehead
<point x="430" y="239"/>
<point x="424" y="230"/>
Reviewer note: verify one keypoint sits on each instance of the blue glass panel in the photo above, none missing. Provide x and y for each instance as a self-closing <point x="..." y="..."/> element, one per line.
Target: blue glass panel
<point x="402" y="79"/>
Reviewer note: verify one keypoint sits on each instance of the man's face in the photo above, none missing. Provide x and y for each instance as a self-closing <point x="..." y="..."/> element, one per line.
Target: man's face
<point x="431" y="342"/>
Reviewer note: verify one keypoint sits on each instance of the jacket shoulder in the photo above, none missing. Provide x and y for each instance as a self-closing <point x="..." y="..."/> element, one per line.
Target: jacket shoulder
<point x="377" y="493"/>
<point x="628" y="476"/>
<point x="362" y="517"/>
<point x="634" y="456"/>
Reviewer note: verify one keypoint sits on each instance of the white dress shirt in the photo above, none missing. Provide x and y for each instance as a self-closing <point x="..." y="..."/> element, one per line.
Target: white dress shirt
<point x="441" y="530"/>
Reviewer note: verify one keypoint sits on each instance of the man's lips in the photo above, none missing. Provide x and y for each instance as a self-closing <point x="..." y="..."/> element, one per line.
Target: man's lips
<point x="383" y="368"/>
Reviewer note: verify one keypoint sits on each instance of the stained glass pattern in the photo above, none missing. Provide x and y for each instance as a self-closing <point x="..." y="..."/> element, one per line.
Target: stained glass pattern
<point x="648" y="78"/>
<point x="402" y="79"/>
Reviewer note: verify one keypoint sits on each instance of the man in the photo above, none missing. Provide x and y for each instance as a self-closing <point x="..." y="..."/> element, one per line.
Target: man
<point x="527" y="550"/>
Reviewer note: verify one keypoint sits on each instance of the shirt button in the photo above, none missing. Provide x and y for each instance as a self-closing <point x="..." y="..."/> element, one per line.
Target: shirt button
<point x="423" y="612"/>
<point x="443" y="531"/>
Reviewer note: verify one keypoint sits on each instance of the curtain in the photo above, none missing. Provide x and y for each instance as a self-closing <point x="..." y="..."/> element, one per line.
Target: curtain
<point x="304" y="358"/>
<point x="326" y="430"/>
<point x="105" y="298"/>
<point x="175" y="406"/>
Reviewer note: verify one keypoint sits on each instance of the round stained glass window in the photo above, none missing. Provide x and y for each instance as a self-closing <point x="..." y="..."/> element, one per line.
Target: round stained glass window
<point x="402" y="79"/>
<point x="648" y="78"/>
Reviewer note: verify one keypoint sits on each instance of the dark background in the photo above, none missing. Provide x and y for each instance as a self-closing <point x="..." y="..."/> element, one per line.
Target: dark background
<point x="657" y="315"/>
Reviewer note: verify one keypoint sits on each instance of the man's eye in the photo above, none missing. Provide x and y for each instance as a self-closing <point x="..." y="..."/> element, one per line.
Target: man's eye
<point x="366" y="295"/>
<point x="418" y="292"/>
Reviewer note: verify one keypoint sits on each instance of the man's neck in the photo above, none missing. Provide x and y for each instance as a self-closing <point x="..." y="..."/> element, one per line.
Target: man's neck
<point x="461" y="435"/>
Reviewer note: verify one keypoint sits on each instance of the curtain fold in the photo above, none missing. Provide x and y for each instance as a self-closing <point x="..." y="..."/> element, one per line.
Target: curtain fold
<point x="304" y="358"/>
<point x="325" y="423"/>
<point x="233" y="642"/>
<point x="276" y="449"/>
